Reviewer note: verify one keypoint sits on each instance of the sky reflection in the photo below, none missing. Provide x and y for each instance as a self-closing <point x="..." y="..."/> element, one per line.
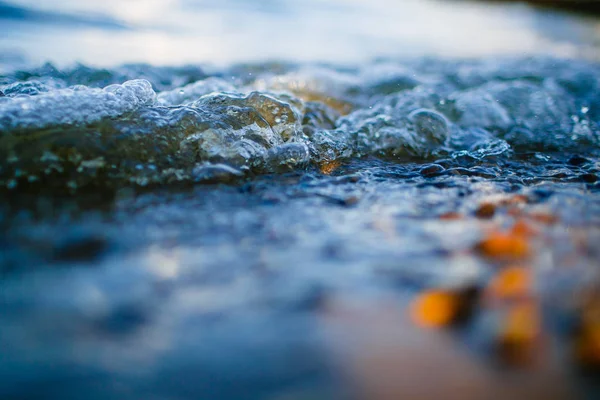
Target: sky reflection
<point x="185" y="31"/>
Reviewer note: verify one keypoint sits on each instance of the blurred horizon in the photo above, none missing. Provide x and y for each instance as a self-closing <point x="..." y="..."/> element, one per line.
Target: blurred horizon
<point x="174" y="32"/>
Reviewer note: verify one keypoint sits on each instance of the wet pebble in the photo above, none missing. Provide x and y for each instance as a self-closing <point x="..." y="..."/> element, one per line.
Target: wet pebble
<point x="500" y="245"/>
<point x="471" y="172"/>
<point x="438" y="308"/>
<point x="518" y="338"/>
<point x="589" y="178"/>
<point x="350" y="200"/>
<point x="347" y="201"/>
<point x="577" y="161"/>
<point x="485" y="211"/>
<point x="451" y="216"/>
<point x="348" y="179"/>
<point x="431" y="170"/>
<point x="215" y="173"/>
<point x="82" y="247"/>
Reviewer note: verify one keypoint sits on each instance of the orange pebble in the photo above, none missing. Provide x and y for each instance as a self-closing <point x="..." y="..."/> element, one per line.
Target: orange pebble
<point x="511" y="282"/>
<point x="587" y="341"/>
<point x="587" y="346"/>
<point x="544" y="218"/>
<point x="514" y="212"/>
<point x="327" y="167"/>
<point x="450" y="216"/>
<point x="591" y="311"/>
<point x="522" y="228"/>
<point x="520" y="329"/>
<point x="515" y="200"/>
<point x="434" y="309"/>
<point x="503" y="245"/>
<point x="522" y="322"/>
<point x="485" y="210"/>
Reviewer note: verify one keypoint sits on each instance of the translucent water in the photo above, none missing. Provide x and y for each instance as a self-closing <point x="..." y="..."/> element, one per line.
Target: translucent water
<point x="56" y="127"/>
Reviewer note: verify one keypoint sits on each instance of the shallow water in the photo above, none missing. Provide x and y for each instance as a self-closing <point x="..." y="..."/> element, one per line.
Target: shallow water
<point x="228" y="232"/>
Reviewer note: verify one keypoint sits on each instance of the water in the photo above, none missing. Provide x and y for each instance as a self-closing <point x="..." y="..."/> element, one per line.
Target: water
<point x="260" y="122"/>
<point x="228" y="229"/>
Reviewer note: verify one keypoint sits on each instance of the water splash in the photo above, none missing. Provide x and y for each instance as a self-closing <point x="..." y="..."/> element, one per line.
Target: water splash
<point x="58" y="124"/>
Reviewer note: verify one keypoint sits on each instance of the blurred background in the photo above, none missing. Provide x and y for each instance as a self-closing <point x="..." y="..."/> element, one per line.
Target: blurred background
<point x="110" y="32"/>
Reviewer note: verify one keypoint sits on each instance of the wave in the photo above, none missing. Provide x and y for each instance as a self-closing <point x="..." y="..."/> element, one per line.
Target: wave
<point x="79" y="127"/>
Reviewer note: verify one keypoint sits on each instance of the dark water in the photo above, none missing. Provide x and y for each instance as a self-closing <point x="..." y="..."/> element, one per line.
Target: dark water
<point x="195" y="232"/>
